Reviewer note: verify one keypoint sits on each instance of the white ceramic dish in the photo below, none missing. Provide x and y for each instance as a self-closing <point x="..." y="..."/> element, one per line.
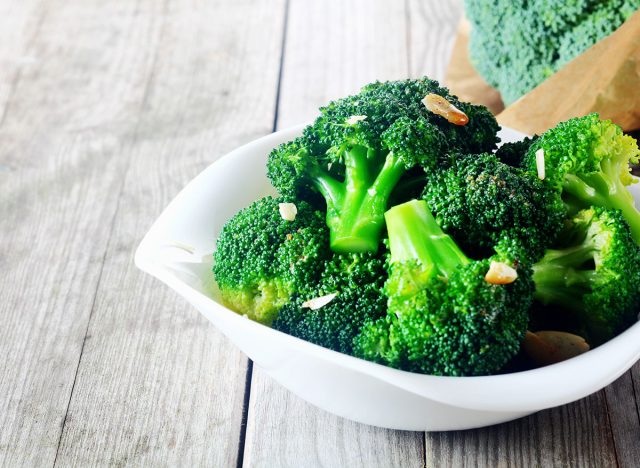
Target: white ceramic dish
<point x="177" y="251"/>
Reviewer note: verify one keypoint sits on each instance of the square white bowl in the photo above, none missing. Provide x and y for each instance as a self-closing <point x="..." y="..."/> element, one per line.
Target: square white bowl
<point x="177" y="250"/>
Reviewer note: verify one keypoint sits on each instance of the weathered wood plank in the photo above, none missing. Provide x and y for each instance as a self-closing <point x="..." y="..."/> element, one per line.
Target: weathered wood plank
<point x="284" y="430"/>
<point x="573" y="435"/>
<point x="431" y="33"/>
<point x="622" y="401"/>
<point x="157" y="385"/>
<point x="57" y="175"/>
<point x="16" y="37"/>
<point x="335" y="47"/>
<point x="332" y="49"/>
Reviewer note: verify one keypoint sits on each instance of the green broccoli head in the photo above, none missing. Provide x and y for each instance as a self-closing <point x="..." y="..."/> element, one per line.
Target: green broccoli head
<point x="515" y="46"/>
<point x="479" y="200"/>
<point x="587" y="161"/>
<point x="593" y="275"/>
<point x="354" y="283"/>
<point x="262" y="259"/>
<point x="444" y="316"/>
<point x="513" y="153"/>
<point x="361" y="147"/>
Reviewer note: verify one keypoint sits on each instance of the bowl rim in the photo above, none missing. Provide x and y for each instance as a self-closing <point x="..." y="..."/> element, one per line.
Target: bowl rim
<point x="462" y="391"/>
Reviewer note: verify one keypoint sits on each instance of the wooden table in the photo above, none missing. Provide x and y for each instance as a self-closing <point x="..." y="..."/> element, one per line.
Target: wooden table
<point x="107" y="109"/>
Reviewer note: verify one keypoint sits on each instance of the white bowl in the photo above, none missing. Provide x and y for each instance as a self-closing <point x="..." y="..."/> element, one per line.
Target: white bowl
<point x="177" y="250"/>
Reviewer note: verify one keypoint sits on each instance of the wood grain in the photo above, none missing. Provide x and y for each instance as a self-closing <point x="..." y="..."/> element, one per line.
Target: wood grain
<point x="624" y="416"/>
<point x="572" y="435"/>
<point x="284" y="430"/>
<point x="157" y="385"/>
<point x="55" y="180"/>
<point x="431" y="33"/>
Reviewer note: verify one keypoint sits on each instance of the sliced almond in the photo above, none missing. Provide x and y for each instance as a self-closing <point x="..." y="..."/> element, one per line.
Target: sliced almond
<point x="318" y="302"/>
<point x="500" y="273"/>
<point x="288" y="211"/>
<point x="354" y="119"/>
<point x="540" y="164"/>
<point x="440" y="106"/>
<point x="550" y="347"/>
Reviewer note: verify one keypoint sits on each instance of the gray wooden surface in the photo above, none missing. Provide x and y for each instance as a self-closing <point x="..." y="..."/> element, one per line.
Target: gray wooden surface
<point x="107" y="108"/>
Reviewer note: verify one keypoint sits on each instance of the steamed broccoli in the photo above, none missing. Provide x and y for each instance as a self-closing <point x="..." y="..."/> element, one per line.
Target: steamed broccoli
<point x="516" y="45"/>
<point x="262" y="259"/>
<point x="361" y="146"/>
<point x="480" y="201"/>
<point x="594" y="276"/>
<point x="354" y="283"/>
<point x="513" y="153"/>
<point x="443" y="316"/>
<point x="587" y="161"/>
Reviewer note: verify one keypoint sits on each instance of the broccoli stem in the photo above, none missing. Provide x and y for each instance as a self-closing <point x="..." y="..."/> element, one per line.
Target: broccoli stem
<point x="563" y="276"/>
<point x="603" y="189"/>
<point x="356" y="218"/>
<point x="414" y="235"/>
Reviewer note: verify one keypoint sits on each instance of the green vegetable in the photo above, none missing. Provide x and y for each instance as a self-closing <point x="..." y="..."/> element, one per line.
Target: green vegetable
<point x="261" y="259"/>
<point x="362" y="146"/>
<point x="357" y="281"/>
<point x="594" y="276"/>
<point x="587" y="161"/>
<point x="443" y="317"/>
<point x="516" y="45"/>
<point x="480" y="201"/>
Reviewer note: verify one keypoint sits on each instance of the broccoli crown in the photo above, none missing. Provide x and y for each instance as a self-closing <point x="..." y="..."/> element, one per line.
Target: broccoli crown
<point x="594" y="274"/>
<point x="515" y="46"/>
<point x="480" y="201"/>
<point x="513" y="153"/>
<point x="587" y="161"/>
<point x="443" y="316"/>
<point x="362" y="146"/>
<point x="261" y="259"/>
<point x="357" y="281"/>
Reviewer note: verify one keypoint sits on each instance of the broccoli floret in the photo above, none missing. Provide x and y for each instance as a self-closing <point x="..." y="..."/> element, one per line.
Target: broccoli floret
<point x="594" y="277"/>
<point x="357" y="281"/>
<point x="443" y="316"/>
<point x="516" y="45"/>
<point x="262" y="260"/>
<point x="480" y="201"/>
<point x="361" y="146"/>
<point x="587" y="161"/>
<point x="513" y="153"/>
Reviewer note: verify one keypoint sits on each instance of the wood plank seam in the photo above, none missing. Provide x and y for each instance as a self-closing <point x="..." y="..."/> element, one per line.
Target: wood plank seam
<point x="611" y="428"/>
<point x="247" y="389"/>
<point x="143" y="103"/>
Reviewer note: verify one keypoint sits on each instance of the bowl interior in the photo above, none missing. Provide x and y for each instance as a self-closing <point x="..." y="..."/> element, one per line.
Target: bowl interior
<point x="177" y="250"/>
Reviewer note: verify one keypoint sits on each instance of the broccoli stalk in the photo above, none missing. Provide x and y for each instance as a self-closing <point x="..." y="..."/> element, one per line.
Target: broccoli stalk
<point x="443" y="316"/>
<point x="355" y="207"/>
<point x="415" y="236"/>
<point x="594" y="277"/>
<point x="604" y="188"/>
<point x="362" y="147"/>
<point x="587" y="160"/>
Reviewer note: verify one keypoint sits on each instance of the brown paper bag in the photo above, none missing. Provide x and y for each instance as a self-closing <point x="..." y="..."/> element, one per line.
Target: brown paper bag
<point x="604" y="79"/>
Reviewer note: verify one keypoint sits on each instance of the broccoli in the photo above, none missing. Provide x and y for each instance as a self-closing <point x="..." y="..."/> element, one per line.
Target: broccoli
<point x="444" y="317"/>
<point x="262" y="260"/>
<point x="356" y="280"/>
<point x="480" y="201"/>
<point x="361" y="146"/>
<point x="513" y="153"/>
<point x="515" y="46"/>
<point x="587" y="161"/>
<point x="594" y="275"/>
